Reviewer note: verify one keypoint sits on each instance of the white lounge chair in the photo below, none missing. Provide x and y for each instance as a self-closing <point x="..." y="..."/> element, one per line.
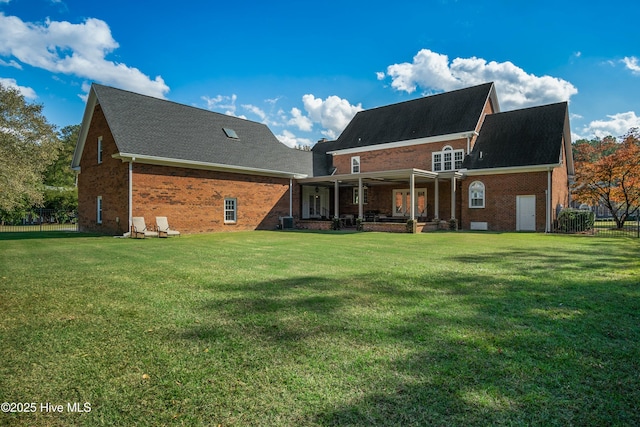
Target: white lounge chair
<point x="163" y="227"/>
<point x="139" y="228"/>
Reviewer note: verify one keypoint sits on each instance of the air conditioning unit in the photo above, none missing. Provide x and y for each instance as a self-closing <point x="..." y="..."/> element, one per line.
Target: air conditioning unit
<point x="286" y="222"/>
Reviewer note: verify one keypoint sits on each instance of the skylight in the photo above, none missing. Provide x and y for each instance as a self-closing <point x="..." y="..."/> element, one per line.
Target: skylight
<point x="230" y="133"/>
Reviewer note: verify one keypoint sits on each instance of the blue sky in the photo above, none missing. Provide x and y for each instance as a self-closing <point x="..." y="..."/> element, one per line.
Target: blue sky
<point x="305" y="68"/>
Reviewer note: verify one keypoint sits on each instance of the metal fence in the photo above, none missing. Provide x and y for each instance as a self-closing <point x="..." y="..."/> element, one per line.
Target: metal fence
<point x="602" y="227"/>
<point x="42" y="220"/>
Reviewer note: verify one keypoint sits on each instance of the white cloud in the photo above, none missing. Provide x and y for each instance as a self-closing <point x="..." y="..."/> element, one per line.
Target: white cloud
<point x="27" y="92"/>
<point x="380" y="75"/>
<point x="11" y="63"/>
<point x="289" y="139"/>
<point x="631" y="62"/>
<point x="73" y="49"/>
<point x="303" y="123"/>
<point x="616" y="125"/>
<point x="223" y="103"/>
<point x="333" y="114"/>
<point x="256" y="110"/>
<point x="433" y="71"/>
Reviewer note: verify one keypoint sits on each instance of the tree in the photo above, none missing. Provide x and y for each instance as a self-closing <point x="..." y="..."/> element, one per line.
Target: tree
<point x="608" y="172"/>
<point x="28" y="144"/>
<point x="59" y="173"/>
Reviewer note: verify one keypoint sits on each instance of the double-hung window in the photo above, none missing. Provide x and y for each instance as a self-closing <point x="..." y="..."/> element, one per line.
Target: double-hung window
<point x="99" y="210"/>
<point x="230" y="211"/>
<point x="99" y="150"/>
<point x="355" y="164"/>
<point x="365" y="195"/>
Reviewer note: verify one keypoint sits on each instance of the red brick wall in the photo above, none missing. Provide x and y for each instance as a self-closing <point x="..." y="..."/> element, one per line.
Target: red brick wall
<point x="500" y="199"/>
<point x="193" y="200"/>
<point x="414" y="156"/>
<point x="108" y="179"/>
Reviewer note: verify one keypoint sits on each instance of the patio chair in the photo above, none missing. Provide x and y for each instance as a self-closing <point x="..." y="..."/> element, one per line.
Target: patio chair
<point x="139" y="228"/>
<point x="163" y="227"/>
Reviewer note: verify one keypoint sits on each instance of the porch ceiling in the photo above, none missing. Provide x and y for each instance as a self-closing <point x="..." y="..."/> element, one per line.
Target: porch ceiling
<point x="381" y="177"/>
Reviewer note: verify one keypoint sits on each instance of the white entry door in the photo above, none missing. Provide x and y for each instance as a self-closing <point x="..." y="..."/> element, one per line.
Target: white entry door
<point x="525" y="213"/>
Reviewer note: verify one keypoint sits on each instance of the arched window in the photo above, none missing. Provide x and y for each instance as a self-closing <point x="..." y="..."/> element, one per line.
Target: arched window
<point x="448" y="159"/>
<point x="476" y="195"/>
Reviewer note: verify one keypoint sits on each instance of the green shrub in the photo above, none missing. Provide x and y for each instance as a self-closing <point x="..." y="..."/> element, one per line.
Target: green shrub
<point x="575" y="220"/>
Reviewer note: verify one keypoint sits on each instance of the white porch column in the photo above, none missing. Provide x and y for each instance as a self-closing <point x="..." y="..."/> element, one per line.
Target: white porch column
<point x="360" y="213"/>
<point x="412" y="185"/>
<point x="453" y="197"/>
<point x="436" y="200"/>
<point x="336" y="199"/>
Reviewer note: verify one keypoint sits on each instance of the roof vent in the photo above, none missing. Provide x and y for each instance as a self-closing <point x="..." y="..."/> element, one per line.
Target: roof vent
<point x="230" y="133"/>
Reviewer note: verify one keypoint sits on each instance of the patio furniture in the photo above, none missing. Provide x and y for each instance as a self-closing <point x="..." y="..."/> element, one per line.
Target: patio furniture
<point x="163" y="227"/>
<point x="139" y="228"/>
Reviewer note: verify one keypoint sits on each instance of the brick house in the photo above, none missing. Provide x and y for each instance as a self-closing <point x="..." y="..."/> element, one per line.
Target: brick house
<point x="448" y="156"/>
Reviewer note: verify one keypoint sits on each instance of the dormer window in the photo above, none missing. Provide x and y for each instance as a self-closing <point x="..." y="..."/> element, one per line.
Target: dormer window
<point x="448" y="159"/>
<point x="355" y="164"/>
<point x="230" y="133"/>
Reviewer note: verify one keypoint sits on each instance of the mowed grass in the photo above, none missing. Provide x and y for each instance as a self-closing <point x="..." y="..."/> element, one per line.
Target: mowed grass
<point x="300" y="328"/>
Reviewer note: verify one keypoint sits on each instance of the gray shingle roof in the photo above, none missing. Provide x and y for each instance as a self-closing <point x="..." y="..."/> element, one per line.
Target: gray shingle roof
<point x="442" y="114"/>
<point x="527" y="137"/>
<point x="147" y="126"/>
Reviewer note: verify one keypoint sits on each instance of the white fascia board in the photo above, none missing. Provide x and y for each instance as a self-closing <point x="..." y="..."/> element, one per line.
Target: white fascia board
<point x="84" y="129"/>
<point x="510" y="169"/>
<point x="407" y="143"/>
<point x="190" y="164"/>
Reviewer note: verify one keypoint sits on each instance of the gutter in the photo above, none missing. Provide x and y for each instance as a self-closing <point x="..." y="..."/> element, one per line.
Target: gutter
<point x="166" y="161"/>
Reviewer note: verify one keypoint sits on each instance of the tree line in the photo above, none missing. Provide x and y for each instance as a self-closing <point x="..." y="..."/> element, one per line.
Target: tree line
<point x="35" y="160"/>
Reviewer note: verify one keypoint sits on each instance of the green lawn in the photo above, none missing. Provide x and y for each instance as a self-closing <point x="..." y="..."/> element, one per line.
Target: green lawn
<point x="294" y="328"/>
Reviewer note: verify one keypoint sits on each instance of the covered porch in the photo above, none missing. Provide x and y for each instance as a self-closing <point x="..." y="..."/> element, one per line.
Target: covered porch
<point x="384" y="200"/>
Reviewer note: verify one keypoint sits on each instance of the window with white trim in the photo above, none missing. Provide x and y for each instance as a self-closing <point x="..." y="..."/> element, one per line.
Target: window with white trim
<point x="99" y="149"/>
<point x="476" y="195"/>
<point x="230" y="211"/>
<point x="99" y="210"/>
<point x="448" y="159"/>
<point x="365" y="195"/>
<point x="355" y="164"/>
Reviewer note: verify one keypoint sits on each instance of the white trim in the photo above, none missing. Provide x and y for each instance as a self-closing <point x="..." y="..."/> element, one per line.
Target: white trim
<point x="509" y="169"/>
<point x="191" y="164"/>
<point x="355" y="163"/>
<point x="234" y="210"/>
<point x="407" y="143"/>
<point x="484" y="195"/>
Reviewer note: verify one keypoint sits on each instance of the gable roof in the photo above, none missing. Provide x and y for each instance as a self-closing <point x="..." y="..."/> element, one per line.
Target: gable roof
<point x="155" y="130"/>
<point x="448" y="113"/>
<point x="527" y="137"/>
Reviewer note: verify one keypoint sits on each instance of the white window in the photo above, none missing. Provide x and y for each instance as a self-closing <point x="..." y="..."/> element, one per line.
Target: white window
<point x="476" y="195"/>
<point x="365" y="194"/>
<point x="230" y="211"/>
<point x="448" y="159"/>
<point x="99" y="150"/>
<point x="355" y="164"/>
<point x="99" y="210"/>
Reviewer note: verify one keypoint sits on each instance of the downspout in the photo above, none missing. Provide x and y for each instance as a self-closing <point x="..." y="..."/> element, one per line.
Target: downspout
<point x="548" y="222"/>
<point x="290" y="197"/>
<point x="131" y="194"/>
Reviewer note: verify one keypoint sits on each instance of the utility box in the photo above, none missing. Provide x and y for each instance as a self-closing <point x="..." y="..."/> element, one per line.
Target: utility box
<point x="286" y="222"/>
